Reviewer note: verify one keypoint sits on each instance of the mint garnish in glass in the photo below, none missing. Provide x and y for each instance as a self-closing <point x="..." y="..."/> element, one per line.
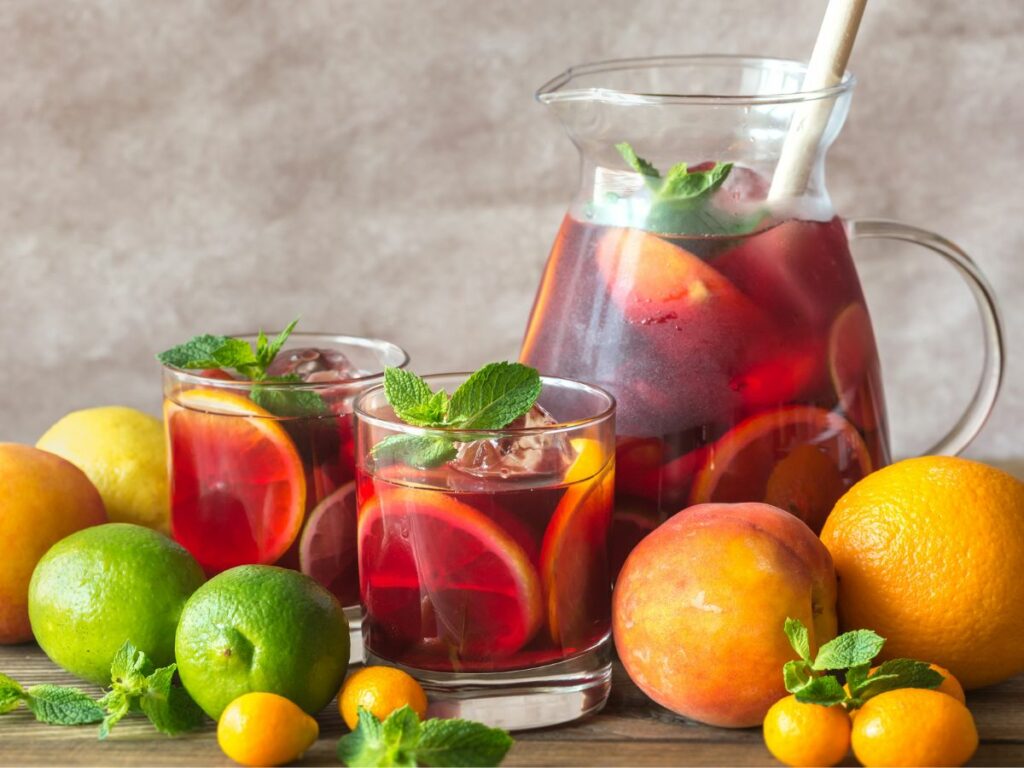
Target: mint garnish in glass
<point x="253" y="362"/>
<point x="489" y="399"/>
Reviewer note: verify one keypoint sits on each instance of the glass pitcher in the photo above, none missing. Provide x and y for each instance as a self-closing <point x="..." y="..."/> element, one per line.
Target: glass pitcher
<point x="716" y="300"/>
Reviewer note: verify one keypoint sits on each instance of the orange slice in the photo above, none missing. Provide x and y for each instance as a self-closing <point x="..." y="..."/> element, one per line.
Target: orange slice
<point x="740" y="465"/>
<point x="238" y="490"/>
<point x="420" y="546"/>
<point x="574" y="553"/>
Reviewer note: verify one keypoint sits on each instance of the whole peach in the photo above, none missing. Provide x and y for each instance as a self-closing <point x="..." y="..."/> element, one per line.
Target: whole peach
<point x="700" y="604"/>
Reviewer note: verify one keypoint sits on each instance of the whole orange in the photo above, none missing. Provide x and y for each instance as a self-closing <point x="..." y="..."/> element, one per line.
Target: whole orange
<point x="929" y="553"/>
<point x="43" y="498"/>
<point x="915" y="727"/>
<point x="381" y="690"/>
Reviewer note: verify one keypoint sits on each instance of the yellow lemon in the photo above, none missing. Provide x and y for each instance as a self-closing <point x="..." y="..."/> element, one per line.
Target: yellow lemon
<point x="124" y="454"/>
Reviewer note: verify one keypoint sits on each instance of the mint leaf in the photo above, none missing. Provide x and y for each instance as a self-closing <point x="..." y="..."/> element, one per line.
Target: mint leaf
<point x="897" y="673"/>
<point x="11" y="694"/>
<point x="412" y="400"/>
<point x="401" y="732"/>
<point x="169" y="708"/>
<point x="116" y="704"/>
<point x="461" y="743"/>
<point x="278" y="343"/>
<point x="682" y="184"/>
<point x="289" y="403"/>
<point x="849" y="650"/>
<point x="494" y="396"/>
<point x="430" y="413"/>
<point x="798" y="637"/>
<point x="422" y="451"/>
<point x="855" y="677"/>
<point x="59" y="705"/>
<point x="795" y="675"/>
<point x="638" y="164"/>
<point x="364" y="747"/>
<point x="198" y="352"/>
<point x="825" y="690"/>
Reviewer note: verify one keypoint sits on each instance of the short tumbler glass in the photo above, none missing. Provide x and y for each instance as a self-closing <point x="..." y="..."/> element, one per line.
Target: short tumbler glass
<point x="486" y="577"/>
<point x="264" y="473"/>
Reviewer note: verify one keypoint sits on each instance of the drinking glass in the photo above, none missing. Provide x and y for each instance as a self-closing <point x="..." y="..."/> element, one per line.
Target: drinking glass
<point x="486" y="578"/>
<point x="264" y="473"/>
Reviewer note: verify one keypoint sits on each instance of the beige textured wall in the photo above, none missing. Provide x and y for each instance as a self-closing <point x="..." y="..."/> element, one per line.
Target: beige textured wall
<point x="380" y="167"/>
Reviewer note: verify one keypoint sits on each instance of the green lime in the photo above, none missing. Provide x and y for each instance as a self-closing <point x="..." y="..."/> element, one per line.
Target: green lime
<point x="103" y="585"/>
<point x="262" y="628"/>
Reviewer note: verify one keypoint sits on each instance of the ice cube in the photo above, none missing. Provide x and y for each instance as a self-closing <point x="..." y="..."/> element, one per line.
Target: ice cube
<point x="313" y="365"/>
<point x="530" y="454"/>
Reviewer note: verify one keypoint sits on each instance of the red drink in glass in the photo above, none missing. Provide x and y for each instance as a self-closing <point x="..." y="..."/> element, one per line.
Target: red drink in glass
<point x="264" y="473"/>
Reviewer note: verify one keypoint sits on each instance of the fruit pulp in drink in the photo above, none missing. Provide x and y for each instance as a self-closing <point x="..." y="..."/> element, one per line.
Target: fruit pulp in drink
<point x="744" y="366"/>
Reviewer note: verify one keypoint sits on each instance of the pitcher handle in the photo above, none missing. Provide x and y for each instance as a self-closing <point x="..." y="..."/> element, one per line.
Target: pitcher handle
<point x="978" y="410"/>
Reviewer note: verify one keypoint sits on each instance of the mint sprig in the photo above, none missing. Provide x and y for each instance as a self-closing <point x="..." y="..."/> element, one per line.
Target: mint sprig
<point x="491" y="398"/>
<point x="851" y="653"/>
<point x="402" y="740"/>
<point x="137" y="686"/>
<point x="680" y="201"/>
<point x="252" y="362"/>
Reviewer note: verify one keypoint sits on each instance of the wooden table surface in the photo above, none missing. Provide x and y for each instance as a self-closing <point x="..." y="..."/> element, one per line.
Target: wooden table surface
<point x="631" y="730"/>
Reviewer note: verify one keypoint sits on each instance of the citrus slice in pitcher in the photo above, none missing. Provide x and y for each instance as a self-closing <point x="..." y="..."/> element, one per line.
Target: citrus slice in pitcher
<point x="484" y="592"/>
<point x="851" y="344"/>
<point x="741" y="464"/>
<point x="328" y="547"/>
<point x="574" y="553"/>
<point x="238" y="490"/>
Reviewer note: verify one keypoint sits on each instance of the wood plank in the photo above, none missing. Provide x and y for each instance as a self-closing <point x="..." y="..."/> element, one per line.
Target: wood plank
<point x="632" y="730"/>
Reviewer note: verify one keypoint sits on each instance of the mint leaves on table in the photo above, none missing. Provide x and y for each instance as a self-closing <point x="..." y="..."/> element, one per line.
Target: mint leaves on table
<point x="136" y="687"/>
<point x="252" y="362"/>
<point x="402" y="740"/>
<point x="850" y="653"/>
<point x="680" y="198"/>
<point x="53" y="704"/>
<point x="491" y="398"/>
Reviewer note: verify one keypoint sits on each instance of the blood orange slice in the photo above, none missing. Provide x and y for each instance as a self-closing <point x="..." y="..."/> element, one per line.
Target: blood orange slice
<point x="238" y="492"/>
<point x="574" y="553"/>
<point x="740" y="465"/>
<point x="851" y="343"/>
<point x="483" y="593"/>
<point x="328" y="549"/>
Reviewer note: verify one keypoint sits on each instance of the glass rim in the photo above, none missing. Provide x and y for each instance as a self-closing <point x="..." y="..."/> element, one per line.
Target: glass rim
<point x="397" y="425"/>
<point x="190" y="376"/>
<point x="553" y="91"/>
